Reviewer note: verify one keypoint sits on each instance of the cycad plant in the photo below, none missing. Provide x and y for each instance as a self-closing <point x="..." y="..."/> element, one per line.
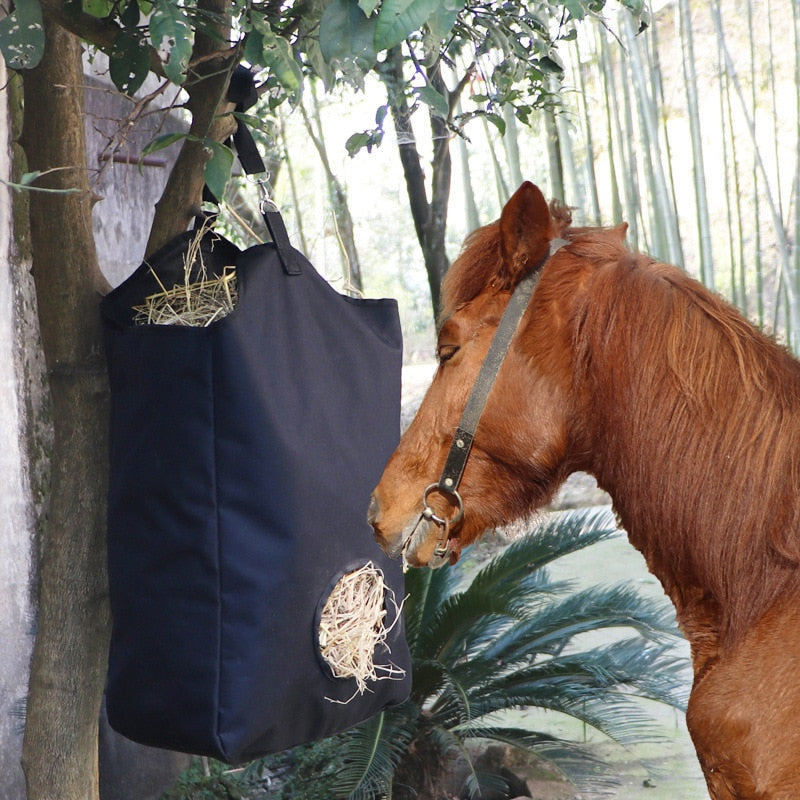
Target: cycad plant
<point x="491" y="641"/>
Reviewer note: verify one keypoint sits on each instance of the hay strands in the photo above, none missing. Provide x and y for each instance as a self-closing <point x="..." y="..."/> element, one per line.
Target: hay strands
<point x="352" y="626"/>
<point x="196" y="304"/>
<point x="200" y="300"/>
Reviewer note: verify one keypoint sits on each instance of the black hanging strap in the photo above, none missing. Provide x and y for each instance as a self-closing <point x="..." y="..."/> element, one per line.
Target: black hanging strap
<point x="280" y="238"/>
<point x="242" y="91"/>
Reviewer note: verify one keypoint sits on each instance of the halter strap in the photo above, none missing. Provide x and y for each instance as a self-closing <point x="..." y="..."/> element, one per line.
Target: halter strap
<point x="461" y="445"/>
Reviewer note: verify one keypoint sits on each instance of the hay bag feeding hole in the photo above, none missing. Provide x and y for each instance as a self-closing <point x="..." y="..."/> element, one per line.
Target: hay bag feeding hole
<point x="352" y="626"/>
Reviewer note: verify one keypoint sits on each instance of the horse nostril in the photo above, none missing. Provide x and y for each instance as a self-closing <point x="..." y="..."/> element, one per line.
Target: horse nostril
<point x="373" y="512"/>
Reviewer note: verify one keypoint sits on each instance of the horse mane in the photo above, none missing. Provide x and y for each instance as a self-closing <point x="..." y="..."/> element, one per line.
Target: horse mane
<point x="479" y="263"/>
<point x="700" y="435"/>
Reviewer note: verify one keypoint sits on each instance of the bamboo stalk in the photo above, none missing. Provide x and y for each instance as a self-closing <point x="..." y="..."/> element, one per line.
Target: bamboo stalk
<point x="699" y="171"/>
<point x="760" y="170"/>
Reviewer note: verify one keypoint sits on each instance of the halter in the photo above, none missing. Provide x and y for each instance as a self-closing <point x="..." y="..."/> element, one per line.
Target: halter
<point x="464" y="435"/>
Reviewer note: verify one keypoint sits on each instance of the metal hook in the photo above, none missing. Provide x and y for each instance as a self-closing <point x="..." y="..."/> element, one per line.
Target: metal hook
<point x="265" y="202"/>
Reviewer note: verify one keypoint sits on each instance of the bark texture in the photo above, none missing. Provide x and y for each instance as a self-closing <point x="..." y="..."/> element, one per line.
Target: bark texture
<point x="69" y="661"/>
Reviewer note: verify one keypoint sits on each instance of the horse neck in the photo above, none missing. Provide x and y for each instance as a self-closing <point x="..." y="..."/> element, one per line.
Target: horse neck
<point x="703" y="479"/>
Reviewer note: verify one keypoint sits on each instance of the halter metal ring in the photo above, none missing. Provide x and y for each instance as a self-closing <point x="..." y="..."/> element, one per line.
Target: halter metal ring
<point x="428" y="512"/>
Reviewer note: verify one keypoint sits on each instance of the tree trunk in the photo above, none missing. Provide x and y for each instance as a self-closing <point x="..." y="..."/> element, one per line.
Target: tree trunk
<point x="759" y="170"/>
<point x="588" y="133"/>
<point x="511" y="142"/>
<point x="69" y="660"/>
<point x="337" y="196"/>
<point x="470" y="208"/>
<point x="500" y="185"/>
<point x="554" y="154"/>
<point x="666" y="242"/>
<point x="430" y="218"/>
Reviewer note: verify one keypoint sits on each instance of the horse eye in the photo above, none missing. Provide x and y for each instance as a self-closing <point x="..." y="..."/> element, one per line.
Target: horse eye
<point x="446" y="351"/>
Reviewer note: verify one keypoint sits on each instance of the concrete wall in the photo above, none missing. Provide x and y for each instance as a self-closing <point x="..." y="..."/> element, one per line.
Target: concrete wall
<point x="127" y="189"/>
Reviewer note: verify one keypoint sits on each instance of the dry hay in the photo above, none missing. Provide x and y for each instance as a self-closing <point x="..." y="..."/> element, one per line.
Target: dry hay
<point x="194" y="303"/>
<point x="352" y="625"/>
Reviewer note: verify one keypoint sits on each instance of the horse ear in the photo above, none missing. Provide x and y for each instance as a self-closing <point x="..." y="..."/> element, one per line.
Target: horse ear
<point x="526" y="229"/>
<point x="620" y="231"/>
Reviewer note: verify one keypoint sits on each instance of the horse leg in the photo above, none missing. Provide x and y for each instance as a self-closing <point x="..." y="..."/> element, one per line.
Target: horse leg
<point x="744" y="712"/>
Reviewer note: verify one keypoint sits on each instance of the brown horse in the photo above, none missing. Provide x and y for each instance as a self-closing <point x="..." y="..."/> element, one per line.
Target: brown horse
<point x="688" y="416"/>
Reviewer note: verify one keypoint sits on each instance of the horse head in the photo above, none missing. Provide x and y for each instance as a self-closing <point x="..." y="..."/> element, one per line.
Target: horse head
<point x="520" y="453"/>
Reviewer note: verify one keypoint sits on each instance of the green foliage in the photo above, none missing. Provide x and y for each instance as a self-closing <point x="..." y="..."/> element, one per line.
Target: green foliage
<point x="210" y="780"/>
<point x="129" y="62"/>
<point x="218" y="167"/>
<point x="22" y="35"/>
<point x="347" y="36"/>
<point x="27" y="182"/>
<point x="171" y="32"/>
<point x="503" y="52"/>
<point x="396" y="19"/>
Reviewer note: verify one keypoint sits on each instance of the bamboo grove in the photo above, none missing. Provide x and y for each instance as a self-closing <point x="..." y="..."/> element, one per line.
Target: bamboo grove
<point x="690" y="132"/>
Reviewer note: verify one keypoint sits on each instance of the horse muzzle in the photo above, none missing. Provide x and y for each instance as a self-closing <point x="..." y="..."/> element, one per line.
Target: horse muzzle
<point x="422" y="542"/>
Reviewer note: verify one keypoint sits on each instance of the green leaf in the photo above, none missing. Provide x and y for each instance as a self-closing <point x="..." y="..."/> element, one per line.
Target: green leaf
<point x="347" y="34"/>
<point x="160" y="142"/>
<point x="434" y="100"/>
<point x="129" y="62"/>
<point x="22" y="35"/>
<point x="443" y="19"/>
<point x="368" y="6"/>
<point x="218" y="168"/>
<point x="26" y="182"/>
<point x="318" y="63"/>
<point x="277" y="56"/>
<point x="253" y="47"/>
<point x="171" y="30"/>
<point x="441" y="22"/>
<point x="575" y="8"/>
<point x="356" y="143"/>
<point x="398" y="18"/>
<point x="498" y="122"/>
<point x="551" y="63"/>
<point x="130" y="14"/>
<point x="97" y="8"/>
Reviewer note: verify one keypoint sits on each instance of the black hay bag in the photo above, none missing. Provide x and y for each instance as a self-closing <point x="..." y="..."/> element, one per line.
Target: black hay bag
<point x="242" y="459"/>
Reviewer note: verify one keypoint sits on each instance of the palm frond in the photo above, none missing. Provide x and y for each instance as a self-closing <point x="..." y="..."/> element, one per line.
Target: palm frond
<point x="600" y="687"/>
<point x="560" y="621"/>
<point x="372" y="753"/>
<point x="508" y="586"/>
<point x="427" y="589"/>
<point x="558" y="535"/>
<point x="572" y="761"/>
<point x="492" y="640"/>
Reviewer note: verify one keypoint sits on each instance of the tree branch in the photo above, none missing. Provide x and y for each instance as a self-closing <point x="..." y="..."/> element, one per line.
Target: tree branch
<point x="99" y="32"/>
<point x="207" y="87"/>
